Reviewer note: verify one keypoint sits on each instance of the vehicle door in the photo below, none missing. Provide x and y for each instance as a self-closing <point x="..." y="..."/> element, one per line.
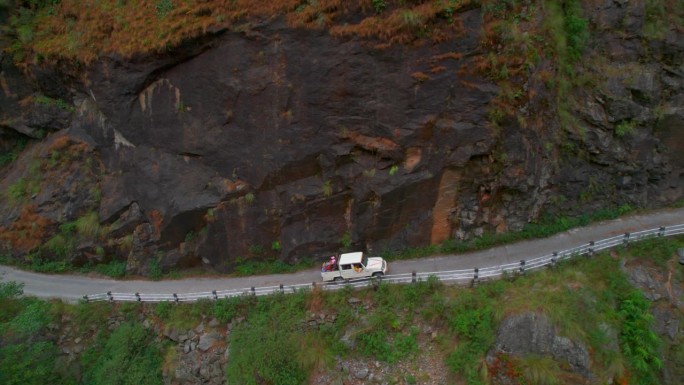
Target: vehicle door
<point x="347" y="272"/>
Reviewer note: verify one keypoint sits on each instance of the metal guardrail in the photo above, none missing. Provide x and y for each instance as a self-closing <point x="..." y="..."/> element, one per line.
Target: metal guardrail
<point x="463" y="276"/>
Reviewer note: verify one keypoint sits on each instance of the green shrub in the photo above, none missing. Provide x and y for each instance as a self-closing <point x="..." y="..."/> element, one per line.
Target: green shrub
<point x="471" y="318"/>
<point x="11" y="289"/>
<point x="114" y="269"/>
<point x="61" y="245"/>
<point x="129" y="356"/>
<point x="225" y="309"/>
<point x="575" y="29"/>
<point x="639" y="343"/>
<point x="346" y="240"/>
<point x="163" y="309"/>
<point x="265" y="346"/>
<point x="154" y="270"/>
<point x="625" y="127"/>
<point x="379" y="5"/>
<point x="17" y="190"/>
<point x="33" y="318"/>
<point x="92" y="314"/>
<point x="28" y="364"/>
<point x="48" y="266"/>
<point x="164" y="7"/>
<point x="88" y="225"/>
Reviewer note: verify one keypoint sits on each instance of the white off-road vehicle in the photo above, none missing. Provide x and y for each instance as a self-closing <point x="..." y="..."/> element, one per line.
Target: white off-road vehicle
<point x="352" y="265"/>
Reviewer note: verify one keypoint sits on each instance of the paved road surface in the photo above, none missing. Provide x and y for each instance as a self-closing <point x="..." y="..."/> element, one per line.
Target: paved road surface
<point x="73" y="287"/>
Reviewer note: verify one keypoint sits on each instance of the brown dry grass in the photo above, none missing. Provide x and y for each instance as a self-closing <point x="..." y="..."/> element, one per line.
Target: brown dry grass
<point x="26" y="233"/>
<point x="88" y="30"/>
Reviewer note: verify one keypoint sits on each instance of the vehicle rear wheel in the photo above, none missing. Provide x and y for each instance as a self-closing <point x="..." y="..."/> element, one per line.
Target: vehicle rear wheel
<point x="378" y="274"/>
<point x="338" y="279"/>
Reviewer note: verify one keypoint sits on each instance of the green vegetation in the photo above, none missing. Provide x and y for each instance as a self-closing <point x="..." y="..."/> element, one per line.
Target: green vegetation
<point x="639" y="343"/>
<point x="25" y="358"/>
<point x="379" y="5"/>
<point x="273" y="340"/>
<point x="250" y="198"/>
<point x="127" y="356"/>
<point x="625" y="127"/>
<point x="346" y="240"/>
<point x="7" y="157"/>
<point x="327" y="188"/>
<point x="273" y="266"/>
<point x="25" y="186"/>
<point x="267" y="343"/>
<point x="48" y="101"/>
<point x="164" y="7"/>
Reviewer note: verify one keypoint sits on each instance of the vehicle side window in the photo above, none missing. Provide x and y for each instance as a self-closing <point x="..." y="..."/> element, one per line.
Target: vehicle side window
<point x="345" y="267"/>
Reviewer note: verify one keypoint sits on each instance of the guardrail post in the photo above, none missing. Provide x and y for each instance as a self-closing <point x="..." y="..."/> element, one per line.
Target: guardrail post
<point x="626" y="240"/>
<point x="281" y="288"/>
<point x="413" y="277"/>
<point x="522" y="267"/>
<point x="175" y="297"/>
<point x="137" y="295"/>
<point x="554" y="259"/>
<point x="85" y="297"/>
<point x="253" y="290"/>
<point x="111" y="298"/>
<point x="215" y="295"/>
<point x="476" y="277"/>
<point x="591" y="248"/>
<point x="661" y="231"/>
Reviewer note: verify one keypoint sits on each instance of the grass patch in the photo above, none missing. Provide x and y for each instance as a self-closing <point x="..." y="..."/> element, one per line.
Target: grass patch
<point x="88" y="225"/>
<point x="129" y="355"/>
<point x="540" y="370"/>
<point x="251" y="267"/>
<point x="265" y="346"/>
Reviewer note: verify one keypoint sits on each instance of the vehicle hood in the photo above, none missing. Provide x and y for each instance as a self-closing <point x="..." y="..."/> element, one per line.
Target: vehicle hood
<point x="374" y="263"/>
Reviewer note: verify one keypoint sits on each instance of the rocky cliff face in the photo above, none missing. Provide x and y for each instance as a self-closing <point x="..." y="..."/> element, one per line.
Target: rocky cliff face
<point x="276" y="142"/>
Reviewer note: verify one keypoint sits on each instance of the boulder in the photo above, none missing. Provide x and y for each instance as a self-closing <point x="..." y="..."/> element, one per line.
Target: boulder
<point x="533" y="334"/>
<point x="208" y="340"/>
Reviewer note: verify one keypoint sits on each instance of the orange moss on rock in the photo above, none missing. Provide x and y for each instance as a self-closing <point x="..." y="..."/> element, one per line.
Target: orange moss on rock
<point x="87" y="30"/>
<point x="27" y="231"/>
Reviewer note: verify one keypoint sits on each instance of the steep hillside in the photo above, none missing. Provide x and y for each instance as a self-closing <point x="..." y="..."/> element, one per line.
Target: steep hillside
<point x="168" y="134"/>
<point x="612" y="319"/>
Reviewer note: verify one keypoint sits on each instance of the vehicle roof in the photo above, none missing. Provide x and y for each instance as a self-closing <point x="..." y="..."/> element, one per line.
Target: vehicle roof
<point x="348" y="258"/>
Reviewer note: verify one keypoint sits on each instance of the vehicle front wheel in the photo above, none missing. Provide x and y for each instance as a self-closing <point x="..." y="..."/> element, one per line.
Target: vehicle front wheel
<point x="378" y="274"/>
